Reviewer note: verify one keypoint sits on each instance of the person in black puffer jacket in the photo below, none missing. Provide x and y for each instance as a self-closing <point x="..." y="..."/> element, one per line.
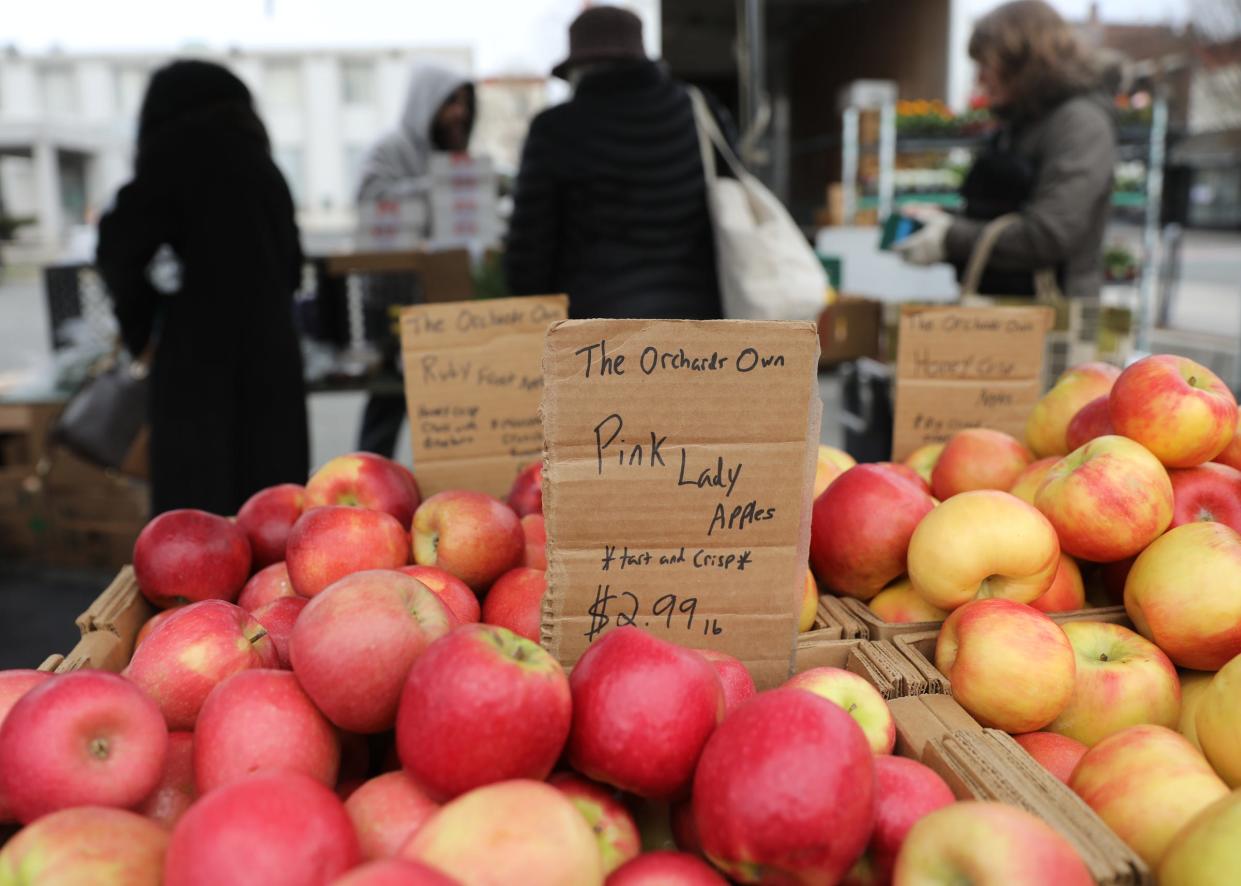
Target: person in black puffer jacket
<point x="610" y="204"/>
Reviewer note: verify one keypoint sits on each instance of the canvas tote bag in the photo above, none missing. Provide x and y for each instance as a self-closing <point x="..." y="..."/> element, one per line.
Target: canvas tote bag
<point x="766" y="269"/>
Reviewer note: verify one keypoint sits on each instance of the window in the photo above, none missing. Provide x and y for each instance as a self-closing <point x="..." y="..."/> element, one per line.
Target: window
<point x="60" y="90"/>
<point x="358" y="83"/>
<point x="282" y="85"/>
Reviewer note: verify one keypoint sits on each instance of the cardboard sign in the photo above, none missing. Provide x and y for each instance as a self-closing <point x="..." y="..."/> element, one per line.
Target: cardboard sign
<point x="962" y="368"/>
<point x="472" y="388"/>
<point x="677" y="478"/>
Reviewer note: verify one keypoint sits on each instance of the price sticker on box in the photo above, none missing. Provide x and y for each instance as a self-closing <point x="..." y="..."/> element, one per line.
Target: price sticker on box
<point x="678" y="472"/>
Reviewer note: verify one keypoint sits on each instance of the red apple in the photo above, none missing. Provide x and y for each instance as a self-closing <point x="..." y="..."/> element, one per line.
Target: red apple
<point x="266" y="518"/>
<point x="861" y="529"/>
<point x="481" y="705"/>
<point x="857" y="698"/>
<point x="86" y="738"/>
<point x="474" y="536"/>
<point x="526" y="496"/>
<point x="987" y="842"/>
<point x="262" y="721"/>
<point x="386" y="812"/>
<point x="187" y="555"/>
<point x="665" y="868"/>
<point x="154" y="622"/>
<point x="1058" y="754"/>
<point x="355" y="757"/>
<point x="459" y="599"/>
<point x="907" y="472"/>
<point x="13" y="685"/>
<point x="328" y="543"/>
<point x="1047" y="427"/>
<point x="353" y="645"/>
<point x="1067" y="592"/>
<point x="533" y="528"/>
<point x="684" y="831"/>
<point x="278" y="617"/>
<point x="198" y="647"/>
<point x="608" y="818"/>
<point x="86" y="845"/>
<point x="736" y="680"/>
<point x="515" y="602"/>
<point x="1176" y="408"/>
<point x="978" y="458"/>
<point x="365" y="480"/>
<point x="642" y="710"/>
<point x="905" y="792"/>
<point x="1206" y="493"/>
<point x="265" y="829"/>
<point x="1091" y="421"/>
<point x="395" y="872"/>
<point x="785" y="790"/>
<point x="176" y="790"/>
<point x="1026" y="486"/>
<point x="266" y="585"/>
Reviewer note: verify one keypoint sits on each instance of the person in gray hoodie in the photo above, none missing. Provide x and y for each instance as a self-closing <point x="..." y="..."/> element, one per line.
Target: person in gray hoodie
<point x="438" y="115"/>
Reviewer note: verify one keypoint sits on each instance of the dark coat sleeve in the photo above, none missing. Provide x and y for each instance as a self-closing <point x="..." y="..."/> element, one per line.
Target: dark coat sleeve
<point x="129" y="235"/>
<point x="1079" y="150"/>
<point x="534" y="230"/>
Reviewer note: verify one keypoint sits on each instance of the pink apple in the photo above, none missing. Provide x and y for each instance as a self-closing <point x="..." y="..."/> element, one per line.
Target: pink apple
<point x="1107" y="500"/>
<point x="1092" y="421"/>
<point x="13" y="685"/>
<point x="87" y="845"/>
<point x="666" y="867"/>
<point x="395" y="872"/>
<point x="526" y="496"/>
<point x="197" y="648"/>
<point x="265" y="829"/>
<point x="454" y="593"/>
<point x="535" y="531"/>
<point x="1028" y="481"/>
<point x="1208" y="492"/>
<point x="987" y="842"/>
<point x="1067" y="592"/>
<point x="899" y="603"/>
<point x="1058" y="754"/>
<point x="734" y="678"/>
<point x="785" y="790"/>
<point x="907" y="472"/>
<point x="353" y="645"/>
<point x="978" y="458"/>
<point x="1176" y="408"/>
<point x="278" y="618"/>
<point x="177" y="789"/>
<point x="482" y="705"/>
<point x="266" y="585"/>
<point x="1010" y="665"/>
<point x="86" y="738"/>
<point x="386" y="811"/>
<point x="642" y="710"/>
<point x="905" y="791"/>
<point x="515" y="602"/>
<point x="474" y="536"/>
<point x="261" y="721"/>
<point x="266" y="518"/>
<point x="1046" y="429"/>
<point x="328" y="543"/>
<point x="608" y="818"/>
<point x="861" y="529"/>
<point x="857" y="698"/>
<point x="365" y="480"/>
<point x="187" y="555"/>
<point x="154" y="622"/>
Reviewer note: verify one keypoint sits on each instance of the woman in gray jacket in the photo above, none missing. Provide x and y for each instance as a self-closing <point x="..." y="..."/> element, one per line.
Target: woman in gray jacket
<point x="1051" y="161"/>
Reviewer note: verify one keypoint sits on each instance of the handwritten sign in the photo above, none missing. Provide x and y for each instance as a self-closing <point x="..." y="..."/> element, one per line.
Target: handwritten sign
<point x="677" y="482"/>
<point x="962" y="368"/>
<point x="472" y="386"/>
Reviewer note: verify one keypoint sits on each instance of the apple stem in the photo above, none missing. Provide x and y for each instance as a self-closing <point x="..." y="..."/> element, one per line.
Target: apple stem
<point x="1103" y="656"/>
<point x="258" y="635"/>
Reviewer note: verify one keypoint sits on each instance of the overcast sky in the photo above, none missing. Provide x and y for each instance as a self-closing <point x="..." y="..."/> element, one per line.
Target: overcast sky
<point x="506" y="35"/>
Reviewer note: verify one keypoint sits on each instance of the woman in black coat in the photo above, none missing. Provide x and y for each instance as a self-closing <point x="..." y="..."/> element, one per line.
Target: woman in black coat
<point x="227" y="404"/>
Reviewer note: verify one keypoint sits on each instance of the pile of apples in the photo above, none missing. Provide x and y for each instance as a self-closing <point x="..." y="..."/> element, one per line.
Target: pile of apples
<point x="1130" y="478"/>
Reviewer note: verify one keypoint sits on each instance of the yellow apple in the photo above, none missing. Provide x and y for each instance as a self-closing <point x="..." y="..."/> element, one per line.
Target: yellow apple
<point x="1193" y="686"/>
<point x="1207" y="851"/>
<point x="1049" y="420"/>
<point x="923" y="459"/>
<point x="899" y="603"/>
<point x="1218" y="722"/>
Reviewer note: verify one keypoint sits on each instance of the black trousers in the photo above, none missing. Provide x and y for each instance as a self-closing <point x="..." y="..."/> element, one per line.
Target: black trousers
<point x="381" y="424"/>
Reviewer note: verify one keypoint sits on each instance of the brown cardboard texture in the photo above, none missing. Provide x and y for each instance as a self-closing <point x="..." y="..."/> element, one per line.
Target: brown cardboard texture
<point x="109" y="627"/>
<point x="960" y="368"/>
<point x="849" y="329"/>
<point x="878" y="629"/>
<point x="472" y="388"/>
<point x="920" y="719"/>
<point x="841" y="614"/>
<point x="824" y="627"/>
<point x="677" y="481"/>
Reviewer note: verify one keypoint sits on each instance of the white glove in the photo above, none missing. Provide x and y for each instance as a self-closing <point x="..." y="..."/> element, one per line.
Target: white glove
<point x="926" y="245"/>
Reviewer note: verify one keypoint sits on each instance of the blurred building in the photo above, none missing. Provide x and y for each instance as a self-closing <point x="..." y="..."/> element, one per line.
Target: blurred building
<point x="67" y="124"/>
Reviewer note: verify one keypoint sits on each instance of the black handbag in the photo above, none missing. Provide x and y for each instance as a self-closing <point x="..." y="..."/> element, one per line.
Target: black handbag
<point x="105" y="418"/>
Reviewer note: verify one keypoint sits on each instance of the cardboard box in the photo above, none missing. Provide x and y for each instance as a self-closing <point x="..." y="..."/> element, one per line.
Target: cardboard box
<point x="849" y="329"/>
<point x="875" y="628"/>
<point x="888" y="670"/>
<point x="109" y="627"/>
